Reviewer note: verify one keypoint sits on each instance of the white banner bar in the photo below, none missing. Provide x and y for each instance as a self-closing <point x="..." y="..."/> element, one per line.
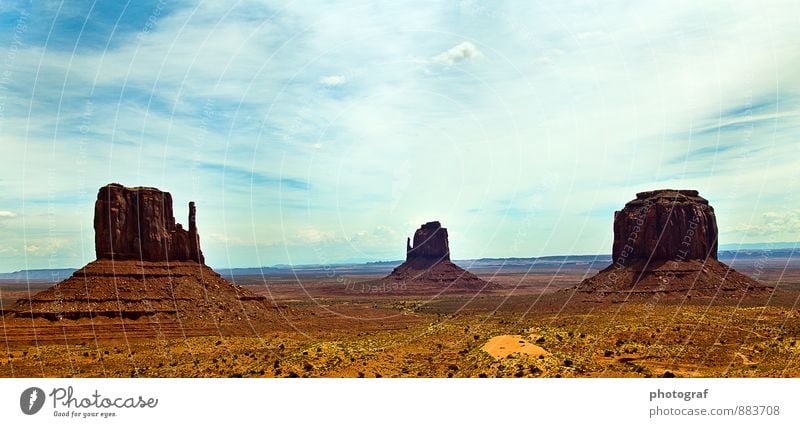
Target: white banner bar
<point x="400" y="402"/>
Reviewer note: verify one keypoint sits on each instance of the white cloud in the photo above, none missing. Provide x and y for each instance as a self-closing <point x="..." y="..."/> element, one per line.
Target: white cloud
<point x="333" y="80"/>
<point x="315" y="235"/>
<point x="47" y="247"/>
<point x="463" y="51"/>
<point x="227" y="239"/>
<point x="7" y="215"/>
<point x="590" y="35"/>
<point x="774" y="224"/>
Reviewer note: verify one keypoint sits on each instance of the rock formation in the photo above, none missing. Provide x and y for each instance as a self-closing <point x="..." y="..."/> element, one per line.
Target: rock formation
<point x="147" y="266"/>
<point x="137" y="223"/>
<point x="665" y="225"/>
<point x="428" y="268"/>
<point x="431" y="246"/>
<point x="665" y="241"/>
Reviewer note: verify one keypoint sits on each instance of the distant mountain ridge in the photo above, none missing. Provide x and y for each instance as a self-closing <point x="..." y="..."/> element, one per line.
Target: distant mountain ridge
<point x="39" y="275"/>
<point x="381" y="267"/>
<point x="759" y="246"/>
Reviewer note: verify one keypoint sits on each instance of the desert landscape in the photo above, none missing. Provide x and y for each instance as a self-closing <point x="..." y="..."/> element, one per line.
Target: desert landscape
<point x="666" y="303"/>
<point x="214" y="212"/>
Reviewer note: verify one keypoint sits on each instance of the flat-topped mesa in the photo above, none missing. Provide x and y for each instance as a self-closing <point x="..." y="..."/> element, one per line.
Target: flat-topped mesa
<point x="430" y="245"/>
<point x="665" y="243"/>
<point x="664" y="225"/>
<point x="138" y="224"/>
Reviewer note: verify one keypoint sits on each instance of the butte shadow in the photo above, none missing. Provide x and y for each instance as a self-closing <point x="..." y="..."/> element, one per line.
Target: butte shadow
<point x="665" y="244"/>
<point x="151" y="270"/>
<point x="427" y="269"/>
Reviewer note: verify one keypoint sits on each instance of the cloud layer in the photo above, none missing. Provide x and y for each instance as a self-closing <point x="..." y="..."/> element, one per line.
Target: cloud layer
<point x="310" y="133"/>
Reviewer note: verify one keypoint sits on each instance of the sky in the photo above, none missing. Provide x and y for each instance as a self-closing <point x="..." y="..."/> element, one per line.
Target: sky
<point x="317" y="133"/>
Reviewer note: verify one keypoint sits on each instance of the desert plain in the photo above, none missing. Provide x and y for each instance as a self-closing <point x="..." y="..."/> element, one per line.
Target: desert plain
<point x="329" y="322"/>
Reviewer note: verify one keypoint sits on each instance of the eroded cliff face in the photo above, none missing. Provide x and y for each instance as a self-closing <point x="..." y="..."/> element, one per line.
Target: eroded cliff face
<point x="665" y="225"/>
<point x="138" y="224"/>
<point x="430" y="245"/>
<point x="665" y="243"/>
<point x="147" y="266"/>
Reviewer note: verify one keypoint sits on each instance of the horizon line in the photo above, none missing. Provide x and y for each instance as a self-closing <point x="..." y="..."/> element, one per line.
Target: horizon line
<point x="795" y="245"/>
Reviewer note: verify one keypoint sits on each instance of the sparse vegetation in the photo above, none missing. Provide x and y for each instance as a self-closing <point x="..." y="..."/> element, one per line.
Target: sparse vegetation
<point x="615" y="340"/>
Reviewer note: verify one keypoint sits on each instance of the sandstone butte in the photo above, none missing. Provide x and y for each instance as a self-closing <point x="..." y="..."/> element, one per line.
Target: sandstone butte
<point x="428" y="266"/>
<point x="148" y="266"/>
<point x="665" y="243"/>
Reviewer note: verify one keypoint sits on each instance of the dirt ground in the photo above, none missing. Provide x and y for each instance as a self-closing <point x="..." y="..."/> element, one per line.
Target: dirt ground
<point x="544" y="329"/>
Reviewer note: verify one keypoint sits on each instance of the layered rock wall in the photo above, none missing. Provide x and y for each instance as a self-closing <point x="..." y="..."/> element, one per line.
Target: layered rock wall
<point x="138" y="224"/>
<point x="663" y="225"/>
<point x="430" y="245"/>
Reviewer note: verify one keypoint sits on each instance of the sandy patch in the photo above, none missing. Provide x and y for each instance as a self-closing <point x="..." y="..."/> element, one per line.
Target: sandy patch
<point x="503" y="345"/>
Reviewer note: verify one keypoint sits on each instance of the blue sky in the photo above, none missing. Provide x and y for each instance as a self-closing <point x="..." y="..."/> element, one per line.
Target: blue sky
<point x="318" y="133"/>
